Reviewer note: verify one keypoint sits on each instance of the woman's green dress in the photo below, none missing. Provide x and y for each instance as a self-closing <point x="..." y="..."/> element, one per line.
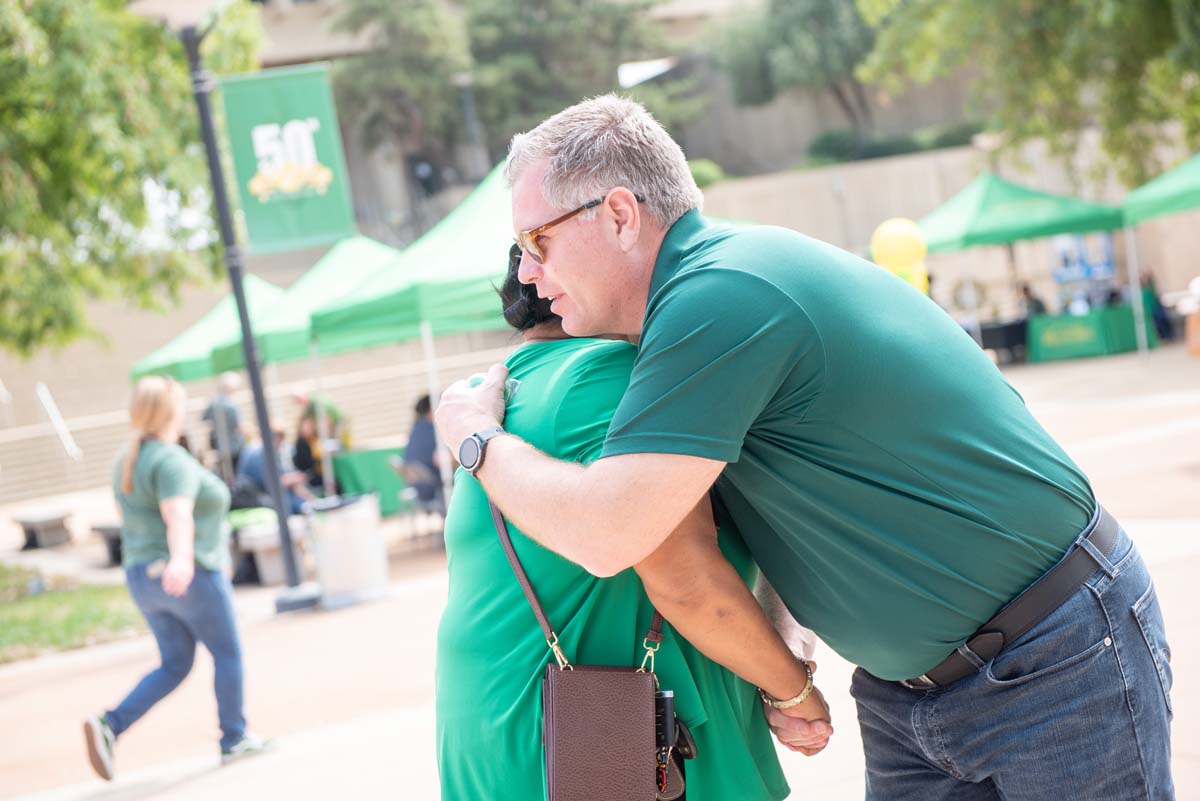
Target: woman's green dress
<point x="491" y="653"/>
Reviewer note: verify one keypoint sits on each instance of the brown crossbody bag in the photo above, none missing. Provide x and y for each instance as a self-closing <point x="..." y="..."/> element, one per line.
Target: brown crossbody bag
<point x="609" y="734"/>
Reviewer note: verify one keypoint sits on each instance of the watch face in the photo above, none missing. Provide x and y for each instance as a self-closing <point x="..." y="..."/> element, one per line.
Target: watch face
<point x="468" y="453"/>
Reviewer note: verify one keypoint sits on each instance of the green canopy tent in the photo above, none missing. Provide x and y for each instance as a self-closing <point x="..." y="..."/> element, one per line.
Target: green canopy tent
<point x="993" y="211"/>
<point x="441" y="284"/>
<point x="283" y="335"/>
<point x="187" y="357"/>
<point x="1171" y="192"/>
<point x="443" y="280"/>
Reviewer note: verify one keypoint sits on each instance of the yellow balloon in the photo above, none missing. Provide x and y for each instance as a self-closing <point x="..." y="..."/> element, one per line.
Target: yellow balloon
<point x="899" y="247"/>
<point x="916" y="275"/>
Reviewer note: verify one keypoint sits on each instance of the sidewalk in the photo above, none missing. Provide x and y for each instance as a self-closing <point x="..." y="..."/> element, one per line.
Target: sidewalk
<point x="348" y="695"/>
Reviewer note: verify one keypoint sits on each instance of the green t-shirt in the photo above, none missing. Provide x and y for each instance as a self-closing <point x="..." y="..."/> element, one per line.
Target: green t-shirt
<point x="889" y="482"/>
<point x="168" y="471"/>
<point x="491" y="653"/>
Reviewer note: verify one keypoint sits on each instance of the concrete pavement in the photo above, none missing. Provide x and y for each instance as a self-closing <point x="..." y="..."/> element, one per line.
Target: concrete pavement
<point x="348" y="694"/>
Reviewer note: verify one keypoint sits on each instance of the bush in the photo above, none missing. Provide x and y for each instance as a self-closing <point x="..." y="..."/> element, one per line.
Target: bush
<point x="842" y="145"/>
<point x="888" y="146"/>
<point x="956" y="135"/>
<point x="706" y="172"/>
<point x="837" y="145"/>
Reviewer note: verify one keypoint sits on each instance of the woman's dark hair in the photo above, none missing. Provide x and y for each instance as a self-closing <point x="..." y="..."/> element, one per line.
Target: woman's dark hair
<point x="523" y="309"/>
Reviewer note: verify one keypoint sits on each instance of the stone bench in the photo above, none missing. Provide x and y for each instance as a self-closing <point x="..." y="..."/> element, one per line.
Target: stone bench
<point x="44" y="530"/>
<point x="261" y="540"/>
<point x="111" y="534"/>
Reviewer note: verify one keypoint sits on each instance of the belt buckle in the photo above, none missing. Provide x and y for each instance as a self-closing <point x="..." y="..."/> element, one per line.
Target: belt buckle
<point x="922" y="682"/>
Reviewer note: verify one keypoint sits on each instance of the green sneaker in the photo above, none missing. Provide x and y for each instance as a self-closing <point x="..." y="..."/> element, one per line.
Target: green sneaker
<point x="100" y="740"/>
<point x="249" y="745"/>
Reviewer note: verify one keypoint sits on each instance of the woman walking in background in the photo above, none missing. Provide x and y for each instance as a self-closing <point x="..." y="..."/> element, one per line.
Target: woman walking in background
<point x="175" y="551"/>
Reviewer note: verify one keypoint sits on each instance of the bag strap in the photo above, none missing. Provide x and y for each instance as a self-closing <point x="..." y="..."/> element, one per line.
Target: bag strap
<point x="653" y="635"/>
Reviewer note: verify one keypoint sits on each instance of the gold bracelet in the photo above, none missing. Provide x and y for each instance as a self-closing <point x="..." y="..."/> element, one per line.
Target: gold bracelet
<point x="795" y="701"/>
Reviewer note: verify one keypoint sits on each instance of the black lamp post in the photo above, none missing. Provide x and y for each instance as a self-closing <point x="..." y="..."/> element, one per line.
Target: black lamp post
<point x="297" y="595"/>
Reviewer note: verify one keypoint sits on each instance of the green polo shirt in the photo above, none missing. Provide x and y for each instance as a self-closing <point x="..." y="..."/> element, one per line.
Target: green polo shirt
<point x="165" y="470"/>
<point x="891" y="485"/>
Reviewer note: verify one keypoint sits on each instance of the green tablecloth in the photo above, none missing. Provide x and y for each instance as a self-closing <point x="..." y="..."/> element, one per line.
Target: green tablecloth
<point x="370" y="471"/>
<point x="1097" y="333"/>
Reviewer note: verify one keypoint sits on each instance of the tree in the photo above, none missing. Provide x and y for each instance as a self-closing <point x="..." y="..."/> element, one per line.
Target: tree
<point x="402" y="90"/>
<point x="534" y="59"/>
<point x="800" y="44"/>
<point x="1050" y="70"/>
<point x="95" y="107"/>
<point x="525" y="61"/>
<point x="532" y="65"/>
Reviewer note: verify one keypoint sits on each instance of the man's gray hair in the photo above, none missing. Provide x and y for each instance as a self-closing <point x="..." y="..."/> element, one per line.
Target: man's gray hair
<point x="602" y="143"/>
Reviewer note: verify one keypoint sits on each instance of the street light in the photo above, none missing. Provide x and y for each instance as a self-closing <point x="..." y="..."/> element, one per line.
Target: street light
<point x="297" y="595"/>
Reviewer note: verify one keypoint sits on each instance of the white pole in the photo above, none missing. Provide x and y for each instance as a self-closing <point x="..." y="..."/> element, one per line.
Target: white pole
<point x="973" y="326"/>
<point x="1135" y="291"/>
<point x="56" y="420"/>
<point x="6" y="402"/>
<point x="435" y="394"/>
<point x="322" y="423"/>
<point x="272" y="381"/>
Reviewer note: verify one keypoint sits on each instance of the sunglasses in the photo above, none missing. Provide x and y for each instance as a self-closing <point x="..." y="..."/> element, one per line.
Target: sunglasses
<point x="527" y="241"/>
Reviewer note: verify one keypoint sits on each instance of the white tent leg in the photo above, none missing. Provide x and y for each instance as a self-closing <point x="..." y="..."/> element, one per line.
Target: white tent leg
<point x="322" y="424"/>
<point x="435" y="394"/>
<point x="1135" y="291"/>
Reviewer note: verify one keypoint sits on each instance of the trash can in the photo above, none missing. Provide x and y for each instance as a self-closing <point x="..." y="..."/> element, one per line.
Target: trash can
<point x="349" y="550"/>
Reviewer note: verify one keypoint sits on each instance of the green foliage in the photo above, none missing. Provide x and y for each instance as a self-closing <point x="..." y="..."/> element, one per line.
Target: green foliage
<point x="843" y="144"/>
<point x="403" y="90"/>
<point x="840" y="144"/>
<point x="94" y="103"/>
<point x="1049" y="70"/>
<point x="959" y="135"/>
<point x="534" y="60"/>
<point x="525" y="63"/>
<point x="706" y="172"/>
<point x="799" y="44"/>
<point x="881" y="146"/>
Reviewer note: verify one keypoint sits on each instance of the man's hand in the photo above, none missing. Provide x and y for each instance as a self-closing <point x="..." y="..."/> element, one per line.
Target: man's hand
<point x="805" y="727"/>
<point x="464" y="409"/>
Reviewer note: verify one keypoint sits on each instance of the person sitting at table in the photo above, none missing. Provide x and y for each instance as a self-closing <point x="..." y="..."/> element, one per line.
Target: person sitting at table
<point x="307" y="452"/>
<point x="1158" y="312"/>
<point x="252" y="470"/>
<point x="1031" y="304"/>
<point x="316" y="406"/>
<point x="420" y="468"/>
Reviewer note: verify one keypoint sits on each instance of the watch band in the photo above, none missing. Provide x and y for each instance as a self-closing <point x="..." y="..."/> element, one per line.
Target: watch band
<point x="481" y="439"/>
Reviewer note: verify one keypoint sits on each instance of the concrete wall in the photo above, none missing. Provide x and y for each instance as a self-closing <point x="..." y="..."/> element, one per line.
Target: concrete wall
<point x="747" y="140"/>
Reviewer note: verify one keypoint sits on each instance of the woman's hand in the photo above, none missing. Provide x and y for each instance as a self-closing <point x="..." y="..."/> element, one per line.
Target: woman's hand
<point x="181" y="534"/>
<point x="178" y="577"/>
<point x="805" y="727"/>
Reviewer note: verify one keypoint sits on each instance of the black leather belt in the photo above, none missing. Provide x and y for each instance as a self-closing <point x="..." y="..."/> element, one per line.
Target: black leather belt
<point x="1025" y="611"/>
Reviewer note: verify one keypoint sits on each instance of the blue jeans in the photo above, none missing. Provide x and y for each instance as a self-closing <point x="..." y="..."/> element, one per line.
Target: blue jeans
<point x="204" y="614"/>
<point x="1078" y="707"/>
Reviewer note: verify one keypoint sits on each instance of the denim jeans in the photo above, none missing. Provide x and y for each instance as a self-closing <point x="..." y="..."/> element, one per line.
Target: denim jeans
<point x="1078" y="707"/>
<point x="204" y="614"/>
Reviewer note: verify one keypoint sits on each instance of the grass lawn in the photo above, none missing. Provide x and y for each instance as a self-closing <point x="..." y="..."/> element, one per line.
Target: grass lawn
<point x="59" y="617"/>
